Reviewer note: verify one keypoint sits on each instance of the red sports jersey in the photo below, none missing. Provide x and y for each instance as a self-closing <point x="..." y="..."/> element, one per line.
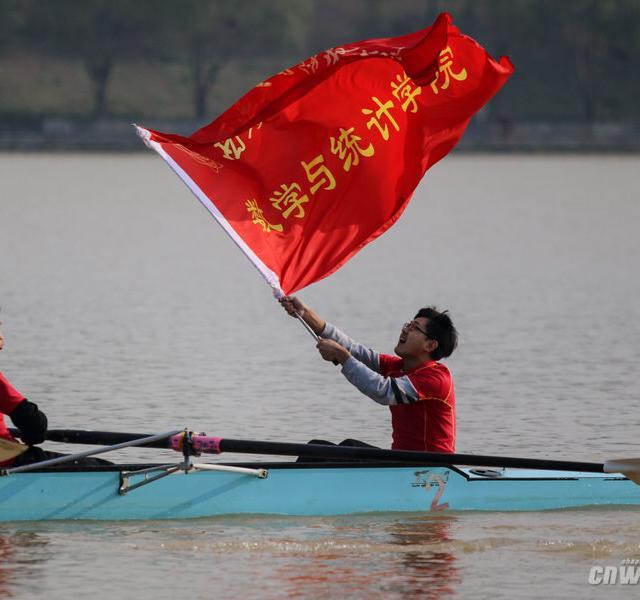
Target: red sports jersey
<point x="430" y="423"/>
<point x="9" y="399"/>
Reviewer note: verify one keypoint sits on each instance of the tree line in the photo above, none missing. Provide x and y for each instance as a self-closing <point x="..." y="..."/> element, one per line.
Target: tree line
<point x="574" y="59"/>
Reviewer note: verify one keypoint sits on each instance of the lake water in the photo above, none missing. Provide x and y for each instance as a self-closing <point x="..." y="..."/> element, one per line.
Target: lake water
<point x="125" y="307"/>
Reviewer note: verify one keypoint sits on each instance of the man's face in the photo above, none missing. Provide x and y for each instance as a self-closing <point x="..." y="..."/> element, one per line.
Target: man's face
<point x="413" y="341"/>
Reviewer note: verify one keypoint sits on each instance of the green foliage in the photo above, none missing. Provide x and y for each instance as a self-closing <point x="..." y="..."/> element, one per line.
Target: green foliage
<point x="206" y="35"/>
<point x="97" y="32"/>
<point x="8" y="23"/>
<point x="575" y="59"/>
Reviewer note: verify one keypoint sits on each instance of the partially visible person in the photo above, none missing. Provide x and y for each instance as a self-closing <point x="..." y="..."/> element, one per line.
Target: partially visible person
<point x="415" y="385"/>
<point x="32" y="425"/>
<point x="25" y="415"/>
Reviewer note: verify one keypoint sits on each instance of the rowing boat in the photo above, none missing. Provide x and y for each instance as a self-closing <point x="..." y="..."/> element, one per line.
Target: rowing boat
<point x="110" y="493"/>
<point x="349" y="481"/>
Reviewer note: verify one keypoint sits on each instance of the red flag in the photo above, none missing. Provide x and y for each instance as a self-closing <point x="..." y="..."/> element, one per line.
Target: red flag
<point x="320" y="159"/>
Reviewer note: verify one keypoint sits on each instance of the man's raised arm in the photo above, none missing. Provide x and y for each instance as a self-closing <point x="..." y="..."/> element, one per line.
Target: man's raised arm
<point x="327" y="331"/>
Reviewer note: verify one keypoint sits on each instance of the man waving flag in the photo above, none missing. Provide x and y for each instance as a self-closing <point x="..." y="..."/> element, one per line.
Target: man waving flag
<point x="319" y="160"/>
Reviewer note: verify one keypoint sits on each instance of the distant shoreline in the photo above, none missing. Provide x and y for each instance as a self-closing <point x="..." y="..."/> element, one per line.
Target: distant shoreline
<point x="117" y="135"/>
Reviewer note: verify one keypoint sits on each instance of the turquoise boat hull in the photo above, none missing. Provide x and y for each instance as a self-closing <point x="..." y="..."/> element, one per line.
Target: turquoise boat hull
<point x="298" y="489"/>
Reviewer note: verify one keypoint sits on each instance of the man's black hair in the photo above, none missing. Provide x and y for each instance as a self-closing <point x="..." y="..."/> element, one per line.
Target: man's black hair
<point x="440" y="328"/>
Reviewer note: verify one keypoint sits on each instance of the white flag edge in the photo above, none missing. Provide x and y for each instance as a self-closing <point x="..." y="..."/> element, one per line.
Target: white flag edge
<point x="270" y="277"/>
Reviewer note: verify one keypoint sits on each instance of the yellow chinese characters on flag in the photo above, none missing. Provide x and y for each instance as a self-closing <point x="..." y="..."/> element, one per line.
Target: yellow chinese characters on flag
<point x="322" y="158"/>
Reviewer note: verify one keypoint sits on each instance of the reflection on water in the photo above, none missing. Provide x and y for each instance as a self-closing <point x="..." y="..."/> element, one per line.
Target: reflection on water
<point x="428" y="565"/>
<point x="7" y="566"/>
<point x="408" y="557"/>
<point x="373" y="556"/>
<point x="386" y="556"/>
<point x="22" y="556"/>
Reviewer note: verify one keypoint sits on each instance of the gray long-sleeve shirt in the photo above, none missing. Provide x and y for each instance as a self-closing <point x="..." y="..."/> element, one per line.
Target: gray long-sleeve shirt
<point x="362" y="369"/>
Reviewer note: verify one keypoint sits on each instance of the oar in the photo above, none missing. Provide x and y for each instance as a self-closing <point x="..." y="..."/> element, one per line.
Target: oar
<point x="629" y="467"/>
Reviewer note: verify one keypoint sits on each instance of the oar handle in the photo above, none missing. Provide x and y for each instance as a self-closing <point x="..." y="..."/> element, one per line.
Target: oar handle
<point x="156" y="437"/>
<point x="96" y="438"/>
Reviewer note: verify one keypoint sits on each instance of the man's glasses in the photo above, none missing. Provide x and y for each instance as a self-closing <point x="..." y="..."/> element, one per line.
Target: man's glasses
<point x="414" y="325"/>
